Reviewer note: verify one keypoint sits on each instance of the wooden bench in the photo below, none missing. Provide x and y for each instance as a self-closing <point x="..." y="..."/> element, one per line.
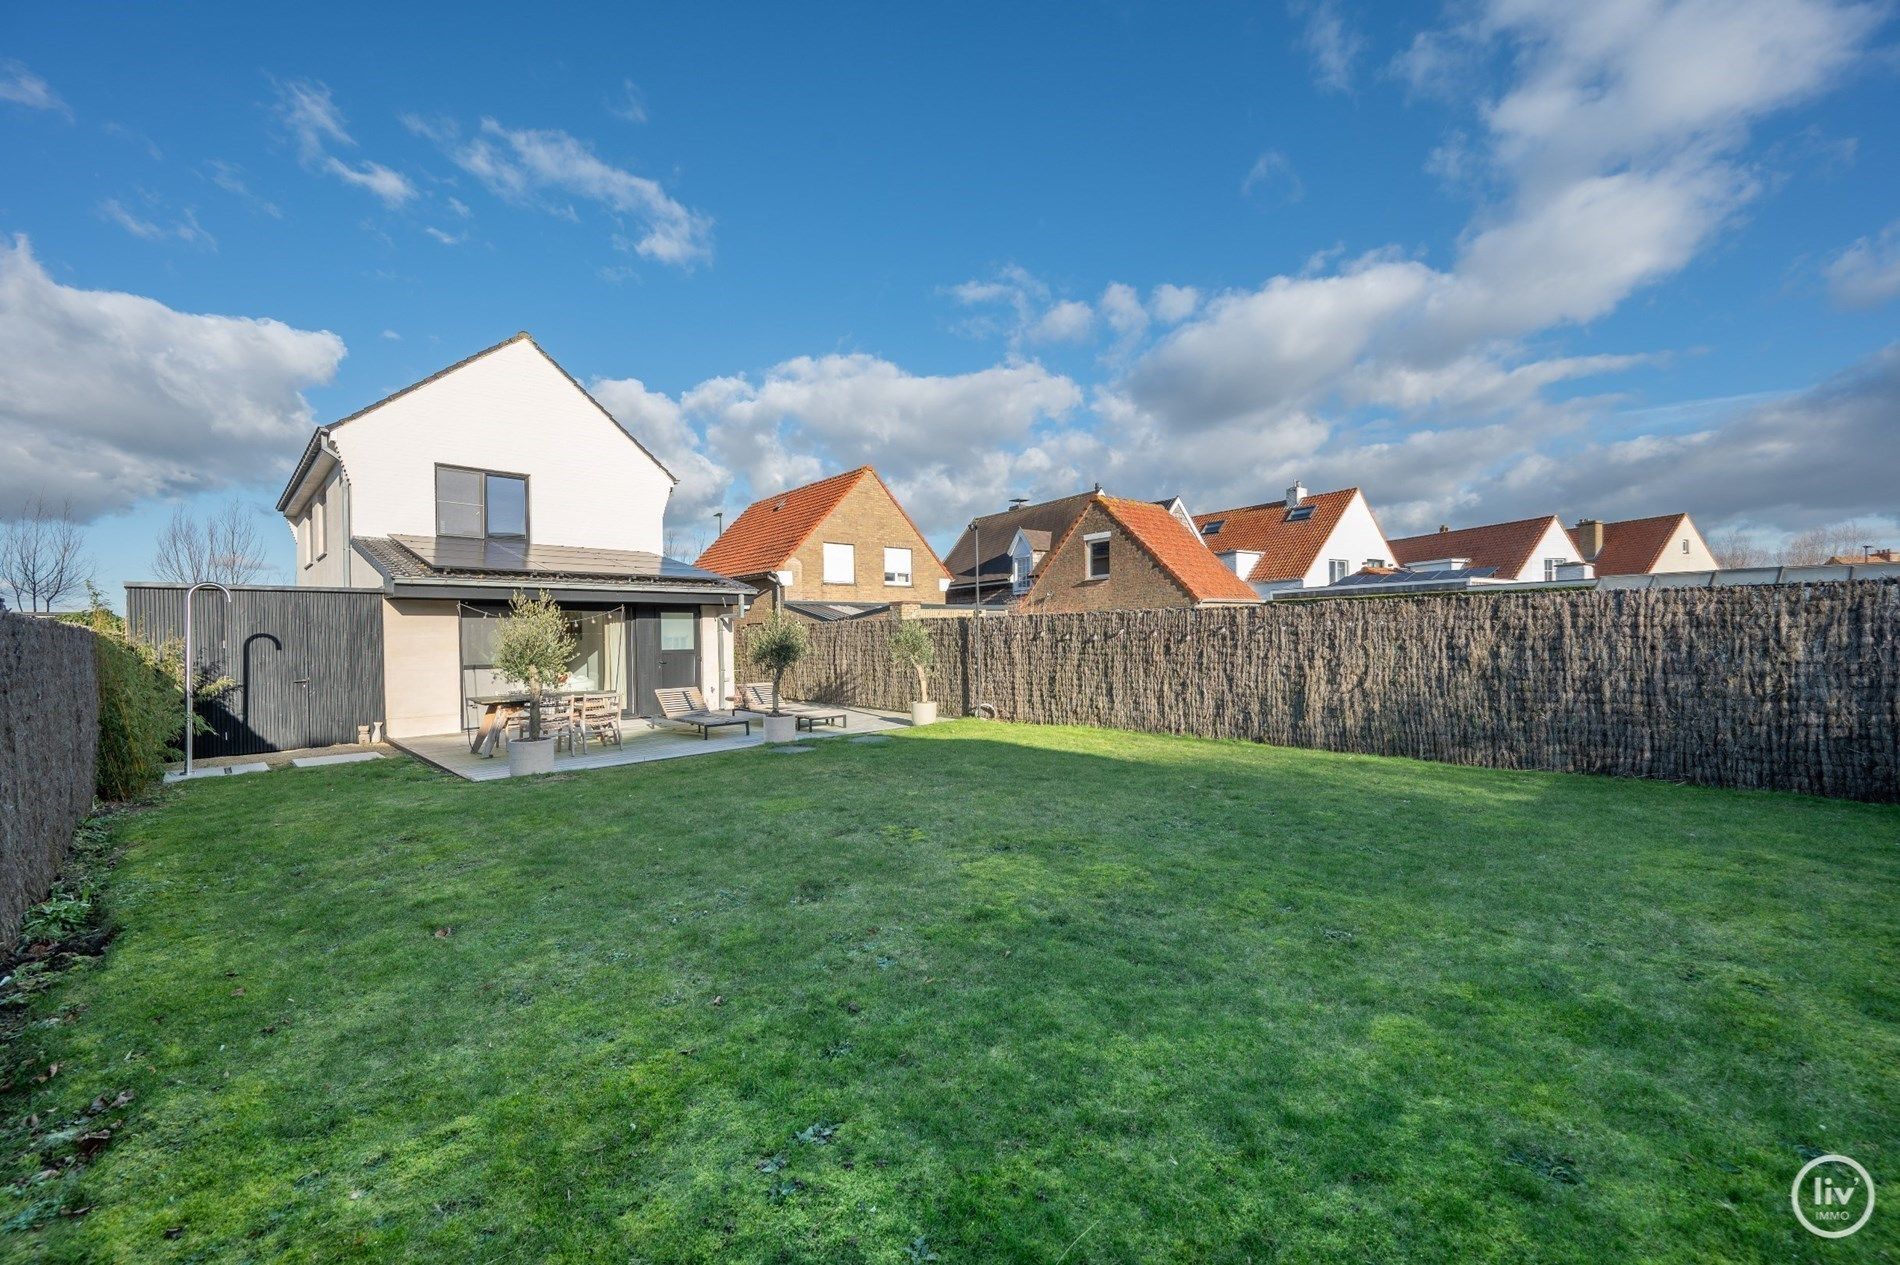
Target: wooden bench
<point x="683" y="705"/>
<point x="758" y="698"/>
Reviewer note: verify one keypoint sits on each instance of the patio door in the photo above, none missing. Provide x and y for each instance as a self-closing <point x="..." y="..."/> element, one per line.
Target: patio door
<point x="665" y="653"/>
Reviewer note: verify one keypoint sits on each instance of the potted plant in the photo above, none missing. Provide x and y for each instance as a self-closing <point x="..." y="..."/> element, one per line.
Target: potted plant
<point x="532" y="647"/>
<point x="777" y="646"/>
<point x="912" y="646"/>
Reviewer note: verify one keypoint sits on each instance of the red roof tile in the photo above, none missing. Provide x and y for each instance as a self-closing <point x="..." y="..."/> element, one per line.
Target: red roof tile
<point x="1287" y="550"/>
<point x="769" y="531"/>
<point x="1178" y="551"/>
<point x="1507" y="547"/>
<point x="1633" y="546"/>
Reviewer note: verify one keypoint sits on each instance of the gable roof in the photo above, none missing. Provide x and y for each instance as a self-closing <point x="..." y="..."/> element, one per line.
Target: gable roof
<point x="317" y="437"/>
<point x="1504" y="547"/>
<point x="1287" y="550"/>
<point x="770" y="530"/>
<point x="1174" y="548"/>
<point x="999" y="530"/>
<point x="1633" y="546"/>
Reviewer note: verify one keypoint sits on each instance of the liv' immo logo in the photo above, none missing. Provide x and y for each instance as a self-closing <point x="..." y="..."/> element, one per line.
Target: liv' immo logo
<point x="1833" y="1196"/>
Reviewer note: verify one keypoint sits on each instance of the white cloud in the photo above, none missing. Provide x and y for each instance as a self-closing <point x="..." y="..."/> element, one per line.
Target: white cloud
<point x="22" y="87"/>
<point x="1272" y="173"/>
<point x="446" y="238"/>
<point x="316" y="126"/>
<point x="1867" y="273"/>
<point x="524" y="164"/>
<point x="184" y="229"/>
<point x="230" y="178"/>
<point x="107" y="399"/>
<point x="628" y="104"/>
<point x="1329" y="40"/>
<point x="1172" y="304"/>
<point x="657" y="421"/>
<point x="1066" y="322"/>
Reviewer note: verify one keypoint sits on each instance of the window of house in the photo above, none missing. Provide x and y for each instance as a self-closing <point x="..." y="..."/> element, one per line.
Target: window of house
<point x="319" y="530"/>
<point x="1550" y="567"/>
<point x="1212" y="525"/>
<point x="480" y="504"/>
<point x="1097" y="546"/>
<point x="676" y="630"/>
<point x="897" y="567"/>
<point x="1019" y="568"/>
<point x="1375" y="562"/>
<point x="1685" y="544"/>
<point x="841" y="564"/>
<point x="1299" y="513"/>
<point x="1337" y="569"/>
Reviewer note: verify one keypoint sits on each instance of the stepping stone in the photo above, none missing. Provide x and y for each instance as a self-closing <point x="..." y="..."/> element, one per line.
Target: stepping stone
<point x="782" y="750"/>
<point x="318" y="761"/>
<point x="873" y="738"/>
<point x="258" y="767"/>
<point x="179" y="775"/>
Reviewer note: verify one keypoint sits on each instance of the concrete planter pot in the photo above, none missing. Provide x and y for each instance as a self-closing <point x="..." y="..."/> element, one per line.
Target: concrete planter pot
<point x="923" y="713"/>
<point x="781" y="729"/>
<point x="526" y="756"/>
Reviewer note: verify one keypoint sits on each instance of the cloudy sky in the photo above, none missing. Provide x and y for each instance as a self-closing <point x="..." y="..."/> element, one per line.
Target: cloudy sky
<point x="1506" y="258"/>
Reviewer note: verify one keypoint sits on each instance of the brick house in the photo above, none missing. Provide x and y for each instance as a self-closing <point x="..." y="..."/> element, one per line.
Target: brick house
<point x="1305" y="540"/>
<point x="840" y="547"/>
<point x="1130" y="555"/>
<point x="1013" y="545"/>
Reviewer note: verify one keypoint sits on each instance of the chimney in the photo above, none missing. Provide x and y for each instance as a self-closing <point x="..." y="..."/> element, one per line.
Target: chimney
<point x="1295" y="494"/>
<point x="1442" y="529"/>
<point x="1589" y="538"/>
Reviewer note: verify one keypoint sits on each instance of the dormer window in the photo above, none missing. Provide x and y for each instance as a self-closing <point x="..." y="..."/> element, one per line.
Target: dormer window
<point x="480" y="504"/>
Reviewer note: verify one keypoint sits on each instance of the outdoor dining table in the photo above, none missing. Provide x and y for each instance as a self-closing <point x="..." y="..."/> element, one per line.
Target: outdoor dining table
<point x="497" y="711"/>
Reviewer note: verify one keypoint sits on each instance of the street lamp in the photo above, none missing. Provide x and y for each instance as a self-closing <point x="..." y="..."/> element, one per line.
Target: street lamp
<point x="189" y="699"/>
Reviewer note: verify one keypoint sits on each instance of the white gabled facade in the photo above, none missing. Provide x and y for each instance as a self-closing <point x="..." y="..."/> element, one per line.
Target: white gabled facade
<point x="1354" y="542"/>
<point x="509" y="410"/>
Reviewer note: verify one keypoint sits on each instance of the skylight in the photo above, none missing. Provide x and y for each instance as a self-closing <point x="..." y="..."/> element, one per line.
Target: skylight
<point x="1299" y="513"/>
<point x="1212" y="526"/>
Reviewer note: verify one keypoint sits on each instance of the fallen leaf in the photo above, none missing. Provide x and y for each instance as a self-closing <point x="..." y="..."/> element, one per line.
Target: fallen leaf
<point x="90" y="1144"/>
<point x="443" y="933"/>
<point x="236" y="992"/>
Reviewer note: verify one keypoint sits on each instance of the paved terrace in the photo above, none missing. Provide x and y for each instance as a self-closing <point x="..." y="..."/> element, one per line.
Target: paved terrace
<point x="643" y="741"/>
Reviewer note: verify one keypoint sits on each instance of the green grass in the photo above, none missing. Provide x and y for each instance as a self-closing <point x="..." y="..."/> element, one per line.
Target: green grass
<point x="1046" y="994"/>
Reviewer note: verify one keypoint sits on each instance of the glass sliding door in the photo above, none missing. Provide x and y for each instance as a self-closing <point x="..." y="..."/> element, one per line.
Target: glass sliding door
<point x="598" y="665"/>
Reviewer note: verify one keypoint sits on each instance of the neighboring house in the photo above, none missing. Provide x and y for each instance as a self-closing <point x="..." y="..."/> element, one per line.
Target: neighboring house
<point x="1130" y="555"/>
<point x="1643" y="546"/>
<point x="1864" y="558"/>
<point x="1013" y="545"/>
<point x="1525" y="549"/>
<point x="835" y="549"/>
<point x="497" y="475"/>
<point x="1302" y="541"/>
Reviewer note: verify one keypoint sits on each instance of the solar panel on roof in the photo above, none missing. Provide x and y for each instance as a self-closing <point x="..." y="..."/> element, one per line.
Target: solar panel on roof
<point x="447" y="553"/>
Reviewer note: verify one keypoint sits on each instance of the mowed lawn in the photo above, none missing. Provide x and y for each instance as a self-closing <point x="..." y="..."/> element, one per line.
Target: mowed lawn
<point x="980" y="993"/>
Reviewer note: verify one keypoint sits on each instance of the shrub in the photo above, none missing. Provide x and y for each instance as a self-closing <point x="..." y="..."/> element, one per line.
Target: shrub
<point x="141" y="692"/>
<point x="532" y="647"/>
<point x="777" y="646"/>
<point x="912" y="647"/>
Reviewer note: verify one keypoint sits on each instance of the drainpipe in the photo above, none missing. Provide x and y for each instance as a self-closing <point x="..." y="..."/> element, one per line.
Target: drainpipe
<point x="186" y="659"/>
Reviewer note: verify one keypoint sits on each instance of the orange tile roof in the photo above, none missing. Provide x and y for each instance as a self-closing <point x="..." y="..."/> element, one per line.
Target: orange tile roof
<point x="1287" y="550"/>
<point x="1507" y="547"/>
<point x="770" y="530"/>
<point x="1177" y="550"/>
<point x="1633" y="546"/>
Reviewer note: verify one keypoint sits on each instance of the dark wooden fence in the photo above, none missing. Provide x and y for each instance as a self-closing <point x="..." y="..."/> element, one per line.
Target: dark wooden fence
<point x="49" y="740"/>
<point x="1787" y="687"/>
<point x="307" y="663"/>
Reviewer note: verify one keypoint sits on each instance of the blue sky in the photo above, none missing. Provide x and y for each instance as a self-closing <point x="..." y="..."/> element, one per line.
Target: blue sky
<point x="1489" y="261"/>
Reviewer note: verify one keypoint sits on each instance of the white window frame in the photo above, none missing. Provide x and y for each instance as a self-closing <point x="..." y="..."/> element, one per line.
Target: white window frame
<point x="1089" y="542"/>
<point x="896" y="577"/>
<point x="1551" y="565"/>
<point x="1337" y="569"/>
<point x="841" y="563"/>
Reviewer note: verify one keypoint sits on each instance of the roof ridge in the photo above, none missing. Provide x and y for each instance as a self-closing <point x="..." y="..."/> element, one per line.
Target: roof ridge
<point x="1187" y="585"/>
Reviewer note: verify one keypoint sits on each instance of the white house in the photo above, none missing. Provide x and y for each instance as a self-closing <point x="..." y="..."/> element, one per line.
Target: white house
<point x="496" y="475"/>
<point x="1304" y="541"/>
<point x="1525" y="549"/>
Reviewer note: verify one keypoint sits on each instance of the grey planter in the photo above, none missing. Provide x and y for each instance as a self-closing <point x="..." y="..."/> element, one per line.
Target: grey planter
<point x="527" y="756"/>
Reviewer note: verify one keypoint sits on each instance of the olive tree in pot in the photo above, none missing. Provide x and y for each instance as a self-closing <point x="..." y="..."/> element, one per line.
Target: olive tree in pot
<point x="777" y="645"/>
<point x="532" y="647"/>
<point x="912" y="647"/>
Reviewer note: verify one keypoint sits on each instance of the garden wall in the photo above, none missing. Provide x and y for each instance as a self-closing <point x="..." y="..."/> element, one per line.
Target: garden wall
<point x="1789" y="687"/>
<point x="49" y="733"/>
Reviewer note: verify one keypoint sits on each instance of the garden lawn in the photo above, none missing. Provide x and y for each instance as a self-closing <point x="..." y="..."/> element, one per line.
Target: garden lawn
<point x="981" y="993"/>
